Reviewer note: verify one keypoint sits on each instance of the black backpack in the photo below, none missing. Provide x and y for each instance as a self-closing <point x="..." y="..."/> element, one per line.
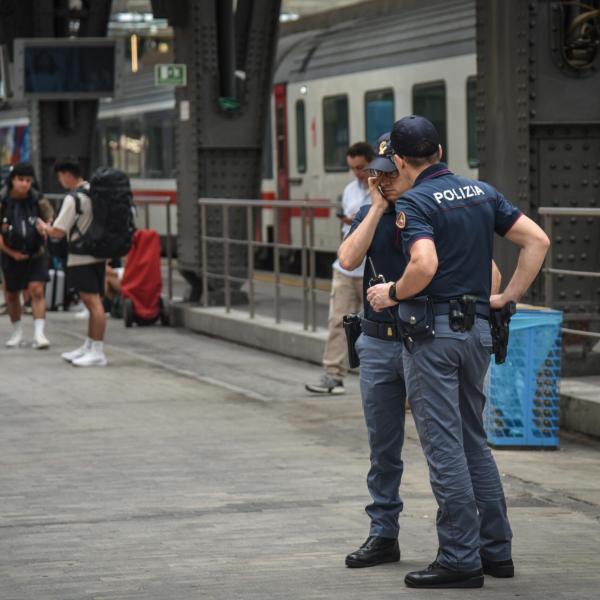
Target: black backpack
<point x="112" y="226"/>
<point x="17" y="221"/>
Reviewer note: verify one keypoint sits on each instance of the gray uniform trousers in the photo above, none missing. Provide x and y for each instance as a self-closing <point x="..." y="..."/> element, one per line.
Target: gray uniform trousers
<point x="444" y="381"/>
<point x="383" y="397"/>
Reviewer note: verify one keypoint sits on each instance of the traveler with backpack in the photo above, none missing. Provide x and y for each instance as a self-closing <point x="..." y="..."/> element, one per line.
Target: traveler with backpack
<point x="97" y="219"/>
<point x="24" y="258"/>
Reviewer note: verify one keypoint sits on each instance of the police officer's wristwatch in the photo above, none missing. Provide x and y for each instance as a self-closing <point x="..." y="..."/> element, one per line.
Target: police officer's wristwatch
<point x="392" y="292"/>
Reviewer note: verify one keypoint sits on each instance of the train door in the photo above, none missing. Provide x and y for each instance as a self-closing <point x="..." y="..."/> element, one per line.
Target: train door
<point x="282" y="167"/>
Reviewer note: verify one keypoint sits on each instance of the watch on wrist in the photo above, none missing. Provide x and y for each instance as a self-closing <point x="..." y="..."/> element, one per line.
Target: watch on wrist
<point x="392" y="292"/>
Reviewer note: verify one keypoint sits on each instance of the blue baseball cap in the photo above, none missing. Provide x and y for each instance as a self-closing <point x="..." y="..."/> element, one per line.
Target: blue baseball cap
<point x="383" y="161"/>
<point x="414" y="136"/>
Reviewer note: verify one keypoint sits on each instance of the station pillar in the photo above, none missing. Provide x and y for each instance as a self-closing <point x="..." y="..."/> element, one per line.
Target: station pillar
<point x="538" y="128"/>
<point x="221" y="116"/>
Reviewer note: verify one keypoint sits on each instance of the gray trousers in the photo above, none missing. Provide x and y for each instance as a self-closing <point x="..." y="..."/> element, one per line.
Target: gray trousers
<point x="383" y="398"/>
<point x="444" y="381"/>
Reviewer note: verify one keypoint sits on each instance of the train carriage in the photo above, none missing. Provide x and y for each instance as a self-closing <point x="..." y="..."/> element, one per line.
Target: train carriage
<point x="334" y="84"/>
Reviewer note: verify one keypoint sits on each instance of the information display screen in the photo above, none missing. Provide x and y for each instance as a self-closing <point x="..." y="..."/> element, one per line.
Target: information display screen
<point x="64" y="69"/>
<point x="79" y="69"/>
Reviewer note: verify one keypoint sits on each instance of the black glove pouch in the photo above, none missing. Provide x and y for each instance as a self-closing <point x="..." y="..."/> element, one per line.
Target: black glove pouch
<point x="416" y="319"/>
<point x="352" y="330"/>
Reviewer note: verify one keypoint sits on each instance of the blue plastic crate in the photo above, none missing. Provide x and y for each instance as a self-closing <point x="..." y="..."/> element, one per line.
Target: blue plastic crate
<point x="523" y="400"/>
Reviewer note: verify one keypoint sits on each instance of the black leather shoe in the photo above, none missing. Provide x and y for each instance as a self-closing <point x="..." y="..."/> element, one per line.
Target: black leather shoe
<point x="436" y="576"/>
<point x="375" y="551"/>
<point x="498" y="568"/>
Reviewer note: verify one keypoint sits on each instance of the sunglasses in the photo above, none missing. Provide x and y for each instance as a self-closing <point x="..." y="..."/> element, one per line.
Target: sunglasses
<point x="383" y="174"/>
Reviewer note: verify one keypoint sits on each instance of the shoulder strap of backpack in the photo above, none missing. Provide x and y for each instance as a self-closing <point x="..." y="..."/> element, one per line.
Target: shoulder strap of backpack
<point x="75" y="195"/>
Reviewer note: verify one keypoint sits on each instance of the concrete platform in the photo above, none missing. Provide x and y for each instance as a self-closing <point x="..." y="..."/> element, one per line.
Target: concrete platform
<point x="580" y="404"/>
<point x="580" y="396"/>
<point x="191" y="467"/>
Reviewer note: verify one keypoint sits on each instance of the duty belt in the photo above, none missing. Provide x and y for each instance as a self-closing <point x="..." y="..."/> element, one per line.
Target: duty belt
<point x="442" y="307"/>
<point x="381" y="330"/>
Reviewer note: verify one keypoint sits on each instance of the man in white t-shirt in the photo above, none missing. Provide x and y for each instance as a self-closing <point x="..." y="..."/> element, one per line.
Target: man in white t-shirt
<point x="346" y="286"/>
<point x="85" y="273"/>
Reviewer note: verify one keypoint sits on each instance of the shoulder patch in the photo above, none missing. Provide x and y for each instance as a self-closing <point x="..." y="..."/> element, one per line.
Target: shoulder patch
<point x="401" y="220"/>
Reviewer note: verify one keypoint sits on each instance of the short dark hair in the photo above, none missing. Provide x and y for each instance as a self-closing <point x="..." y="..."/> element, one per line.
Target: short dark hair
<point x="68" y="164"/>
<point x="361" y="149"/>
<point x="22" y="169"/>
<point x="422" y="161"/>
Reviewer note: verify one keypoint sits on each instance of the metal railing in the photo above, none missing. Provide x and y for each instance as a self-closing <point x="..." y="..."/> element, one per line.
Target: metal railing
<point x="547" y="212"/>
<point x="306" y="248"/>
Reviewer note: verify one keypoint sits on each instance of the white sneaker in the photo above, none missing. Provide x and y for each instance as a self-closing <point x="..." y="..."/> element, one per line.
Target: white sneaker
<point x="40" y="342"/>
<point x="90" y="359"/>
<point x="15" y="340"/>
<point x="71" y="356"/>
<point x="84" y="313"/>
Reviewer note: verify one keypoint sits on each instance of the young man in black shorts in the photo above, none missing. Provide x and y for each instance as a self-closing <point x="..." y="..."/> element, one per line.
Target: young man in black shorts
<point x="24" y="258"/>
<point x="85" y="273"/>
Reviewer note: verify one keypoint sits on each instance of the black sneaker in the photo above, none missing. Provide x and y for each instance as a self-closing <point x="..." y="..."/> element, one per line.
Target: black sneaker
<point x="327" y="385"/>
<point x="375" y="551"/>
<point x="437" y="577"/>
<point x="498" y="568"/>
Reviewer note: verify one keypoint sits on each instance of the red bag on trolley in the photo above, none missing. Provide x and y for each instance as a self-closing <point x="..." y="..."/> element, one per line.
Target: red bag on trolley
<point x="142" y="280"/>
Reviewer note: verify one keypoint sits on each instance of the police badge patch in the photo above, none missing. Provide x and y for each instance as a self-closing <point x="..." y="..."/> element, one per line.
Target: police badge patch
<point x="400" y="220"/>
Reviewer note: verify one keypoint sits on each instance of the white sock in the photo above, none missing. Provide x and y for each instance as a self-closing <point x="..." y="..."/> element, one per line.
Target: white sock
<point x="18" y="325"/>
<point x="38" y="326"/>
<point x="97" y="347"/>
<point x="87" y="344"/>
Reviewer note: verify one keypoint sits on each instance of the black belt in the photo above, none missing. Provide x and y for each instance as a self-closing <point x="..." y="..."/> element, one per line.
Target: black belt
<point x="482" y="309"/>
<point x="381" y="330"/>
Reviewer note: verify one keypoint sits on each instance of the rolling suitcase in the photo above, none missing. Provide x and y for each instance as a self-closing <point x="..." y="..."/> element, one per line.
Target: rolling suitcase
<point x="55" y="289"/>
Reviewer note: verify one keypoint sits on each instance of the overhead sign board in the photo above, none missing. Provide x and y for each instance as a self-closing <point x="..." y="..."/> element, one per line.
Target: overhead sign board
<point x="67" y="68"/>
<point x="174" y="75"/>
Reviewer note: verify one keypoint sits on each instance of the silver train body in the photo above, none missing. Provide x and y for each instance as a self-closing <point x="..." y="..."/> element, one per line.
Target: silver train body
<point x="334" y="84"/>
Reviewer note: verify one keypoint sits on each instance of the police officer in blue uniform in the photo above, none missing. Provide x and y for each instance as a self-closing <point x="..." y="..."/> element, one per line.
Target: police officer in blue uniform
<point x="448" y="224"/>
<point x="374" y="234"/>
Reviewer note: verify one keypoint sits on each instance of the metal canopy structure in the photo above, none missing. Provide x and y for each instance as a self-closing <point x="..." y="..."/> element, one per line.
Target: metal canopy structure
<point x="539" y="136"/>
<point x="58" y="127"/>
<point x="221" y="120"/>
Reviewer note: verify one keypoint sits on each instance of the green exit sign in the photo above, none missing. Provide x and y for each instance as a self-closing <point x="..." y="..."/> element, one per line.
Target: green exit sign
<point x="174" y="75"/>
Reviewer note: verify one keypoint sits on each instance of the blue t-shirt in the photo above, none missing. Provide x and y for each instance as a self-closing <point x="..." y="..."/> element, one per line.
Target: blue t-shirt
<point x="387" y="256"/>
<point x="460" y="215"/>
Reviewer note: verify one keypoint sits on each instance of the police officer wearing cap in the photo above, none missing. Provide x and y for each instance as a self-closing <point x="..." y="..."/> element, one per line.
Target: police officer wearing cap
<point x="448" y="224"/>
<point x="379" y="348"/>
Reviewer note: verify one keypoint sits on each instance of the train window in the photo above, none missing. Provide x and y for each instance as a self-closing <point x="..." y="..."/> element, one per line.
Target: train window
<point x="379" y="113"/>
<point x="336" y="132"/>
<point x="111" y="144"/>
<point x="280" y="129"/>
<point x="267" y="154"/>
<point x="300" y="137"/>
<point x="429" y="100"/>
<point x="472" y="122"/>
<point x="126" y="148"/>
<point x="159" y="131"/>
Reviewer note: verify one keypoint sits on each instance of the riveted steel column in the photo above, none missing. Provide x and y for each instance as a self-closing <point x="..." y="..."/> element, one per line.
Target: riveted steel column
<point x="219" y="149"/>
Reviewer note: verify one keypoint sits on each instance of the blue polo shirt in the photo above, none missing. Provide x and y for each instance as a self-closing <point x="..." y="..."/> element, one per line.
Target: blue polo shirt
<point x="460" y="215"/>
<point x="387" y="255"/>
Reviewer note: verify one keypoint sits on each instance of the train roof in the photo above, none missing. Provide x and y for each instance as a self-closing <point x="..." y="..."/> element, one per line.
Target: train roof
<point x="396" y="33"/>
<point x="139" y="90"/>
